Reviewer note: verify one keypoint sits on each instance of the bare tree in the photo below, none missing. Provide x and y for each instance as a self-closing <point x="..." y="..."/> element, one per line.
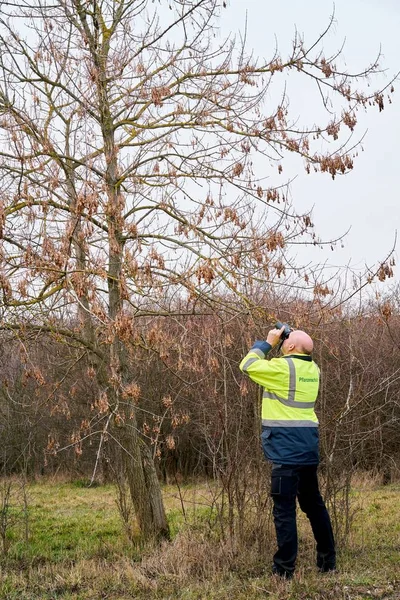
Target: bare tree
<point x="128" y="163"/>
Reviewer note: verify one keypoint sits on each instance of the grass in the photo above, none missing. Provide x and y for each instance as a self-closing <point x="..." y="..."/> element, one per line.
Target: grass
<point x="78" y="550"/>
<point x="70" y="523"/>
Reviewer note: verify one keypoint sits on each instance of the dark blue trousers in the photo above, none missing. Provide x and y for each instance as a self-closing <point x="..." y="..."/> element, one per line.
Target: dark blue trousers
<point x="289" y="482"/>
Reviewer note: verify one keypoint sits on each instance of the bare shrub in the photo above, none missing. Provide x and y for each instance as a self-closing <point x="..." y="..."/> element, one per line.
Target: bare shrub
<point x="14" y="516"/>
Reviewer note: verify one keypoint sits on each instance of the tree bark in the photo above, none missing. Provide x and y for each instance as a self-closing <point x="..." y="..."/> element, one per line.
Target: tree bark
<point x="143" y="483"/>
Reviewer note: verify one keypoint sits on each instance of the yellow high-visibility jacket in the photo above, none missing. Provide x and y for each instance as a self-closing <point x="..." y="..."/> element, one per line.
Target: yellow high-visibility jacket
<point x="289" y="423"/>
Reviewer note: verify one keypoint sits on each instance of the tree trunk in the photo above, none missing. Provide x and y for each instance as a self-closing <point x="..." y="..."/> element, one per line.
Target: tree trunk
<point x="139" y="466"/>
<point x="143" y="484"/>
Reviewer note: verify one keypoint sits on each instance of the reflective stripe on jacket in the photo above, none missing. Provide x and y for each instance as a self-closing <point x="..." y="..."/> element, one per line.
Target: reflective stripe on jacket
<point x="290" y="425"/>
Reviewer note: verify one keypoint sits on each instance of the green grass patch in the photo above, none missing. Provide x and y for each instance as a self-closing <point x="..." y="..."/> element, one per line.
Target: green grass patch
<point x="69" y="522"/>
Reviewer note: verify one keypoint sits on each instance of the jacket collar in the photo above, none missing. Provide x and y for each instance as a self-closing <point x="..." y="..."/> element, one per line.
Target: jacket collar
<point x="306" y="357"/>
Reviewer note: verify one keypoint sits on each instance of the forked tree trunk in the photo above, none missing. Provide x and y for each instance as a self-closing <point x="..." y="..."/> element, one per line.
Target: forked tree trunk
<point x="143" y="483"/>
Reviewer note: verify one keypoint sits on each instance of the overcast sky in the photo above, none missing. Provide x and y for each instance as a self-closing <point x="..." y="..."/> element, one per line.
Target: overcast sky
<point x="367" y="199"/>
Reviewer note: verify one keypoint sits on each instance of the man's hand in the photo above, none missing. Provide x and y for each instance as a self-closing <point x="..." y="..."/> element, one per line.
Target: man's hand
<point x="274" y="336"/>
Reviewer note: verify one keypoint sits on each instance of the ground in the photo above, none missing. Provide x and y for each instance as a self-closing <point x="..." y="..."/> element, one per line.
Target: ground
<point x="70" y="544"/>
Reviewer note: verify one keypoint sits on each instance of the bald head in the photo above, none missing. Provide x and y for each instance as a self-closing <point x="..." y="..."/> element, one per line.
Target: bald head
<point x="298" y="342"/>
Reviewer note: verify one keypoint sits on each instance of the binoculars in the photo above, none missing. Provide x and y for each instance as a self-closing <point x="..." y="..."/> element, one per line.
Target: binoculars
<point x="286" y="332"/>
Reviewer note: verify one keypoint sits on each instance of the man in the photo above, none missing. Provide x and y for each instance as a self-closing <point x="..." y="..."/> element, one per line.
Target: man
<point x="290" y="441"/>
